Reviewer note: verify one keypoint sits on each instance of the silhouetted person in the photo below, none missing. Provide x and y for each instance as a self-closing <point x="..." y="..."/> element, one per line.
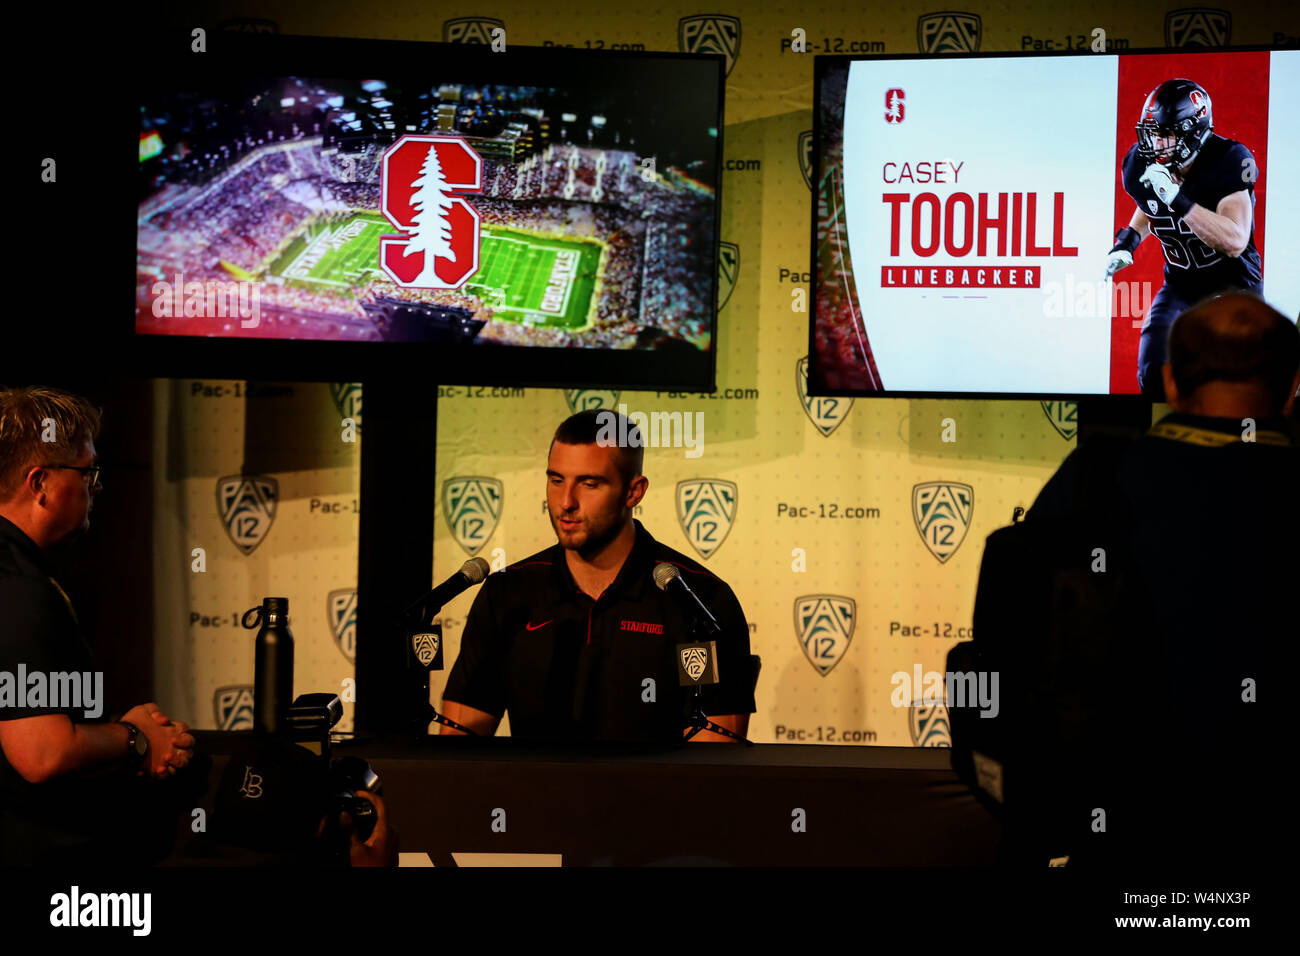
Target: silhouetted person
<point x="1214" y="488"/>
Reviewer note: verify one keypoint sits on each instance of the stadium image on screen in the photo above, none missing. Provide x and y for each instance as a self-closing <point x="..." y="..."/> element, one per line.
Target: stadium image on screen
<point x="262" y="215"/>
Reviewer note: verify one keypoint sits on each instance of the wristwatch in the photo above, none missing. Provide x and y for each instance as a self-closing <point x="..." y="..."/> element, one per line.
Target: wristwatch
<point x="137" y="744"/>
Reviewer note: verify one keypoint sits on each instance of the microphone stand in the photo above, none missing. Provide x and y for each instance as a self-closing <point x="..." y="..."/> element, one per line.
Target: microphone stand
<point x="417" y="672"/>
<point x="697" y="720"/>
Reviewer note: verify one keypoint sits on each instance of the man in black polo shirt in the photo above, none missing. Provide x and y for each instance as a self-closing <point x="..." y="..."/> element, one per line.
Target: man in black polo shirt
<point x="67" y="787"/>
<point x="577" y="641"/>
<point x="1213" y="491"/>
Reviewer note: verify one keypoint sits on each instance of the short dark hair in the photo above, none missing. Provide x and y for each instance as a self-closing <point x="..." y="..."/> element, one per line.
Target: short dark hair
<point x="25" y="413"/>
<point x="584" y="427"/>
<point x="1236" y="337"/>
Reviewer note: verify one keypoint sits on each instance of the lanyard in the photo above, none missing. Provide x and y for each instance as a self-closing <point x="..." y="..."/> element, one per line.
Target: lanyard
<point x="1206" y="437"/>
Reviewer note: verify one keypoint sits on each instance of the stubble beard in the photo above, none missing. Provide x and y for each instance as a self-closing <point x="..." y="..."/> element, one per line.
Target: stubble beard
<point x="598" y="536"/>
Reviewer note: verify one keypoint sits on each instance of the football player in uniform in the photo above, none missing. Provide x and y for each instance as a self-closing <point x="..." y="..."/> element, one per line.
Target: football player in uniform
<point x="1196" y="191"/>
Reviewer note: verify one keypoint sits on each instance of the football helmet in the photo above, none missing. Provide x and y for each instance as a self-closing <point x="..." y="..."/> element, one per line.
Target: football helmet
<point x="1177" y="111"/>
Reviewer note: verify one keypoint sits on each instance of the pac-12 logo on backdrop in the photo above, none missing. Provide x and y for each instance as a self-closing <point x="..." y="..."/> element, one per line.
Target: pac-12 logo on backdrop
<point x="470" y="30"/>
<point x="419" y="177"/>
<point x="823" y="624"/>
<point x="347" y="399"/>
<point x="728" y="269"/>
<point x="942" y="511"/>
<point x="472" y="506"/>
<point x="806" y="156"/>
<point x="341" y="613"/>
<point x="1198" y="26"/>
<point x="586" y="399"/>
<point x="1064" y="417"/>
<point x="246" y="504"/>
<point x="928" y="725"/>
<point x="948" y="32"/>
<point x="895" y="105"/>
<point x="827" y="412"/>
<point x="710" y="33"/>
<point x="233" y="707"/>
<point x="706" y="509"/>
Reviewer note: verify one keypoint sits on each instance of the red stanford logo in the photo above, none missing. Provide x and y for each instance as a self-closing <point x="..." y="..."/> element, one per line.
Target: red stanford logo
<point x="894" y="105"/>
<point x="438" y="247"/>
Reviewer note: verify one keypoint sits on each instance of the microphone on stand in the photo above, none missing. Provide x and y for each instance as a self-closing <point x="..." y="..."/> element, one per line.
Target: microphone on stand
<point x="697" y="661"/>
<point x="471" y="573"/>
<point x="669" y="580"/>
<point x="424" y="638"/>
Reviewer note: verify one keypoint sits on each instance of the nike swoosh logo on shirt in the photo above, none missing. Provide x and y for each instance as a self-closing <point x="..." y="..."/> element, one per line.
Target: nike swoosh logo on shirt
<point x="533" y="627"/>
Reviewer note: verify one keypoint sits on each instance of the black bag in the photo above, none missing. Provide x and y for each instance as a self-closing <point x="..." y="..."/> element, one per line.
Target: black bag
<point x="1069" y="642"/>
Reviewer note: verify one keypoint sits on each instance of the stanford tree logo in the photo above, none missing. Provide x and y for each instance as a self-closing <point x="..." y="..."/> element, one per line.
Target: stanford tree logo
<point x="439" y="243"/>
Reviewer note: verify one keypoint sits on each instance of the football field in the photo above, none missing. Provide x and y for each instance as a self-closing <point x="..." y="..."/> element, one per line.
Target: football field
<point x="538" y="280"/>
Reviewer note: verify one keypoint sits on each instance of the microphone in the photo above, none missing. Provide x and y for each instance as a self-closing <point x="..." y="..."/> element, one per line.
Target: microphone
<point x="471" y="573"/>
<point x="669" y="580"/>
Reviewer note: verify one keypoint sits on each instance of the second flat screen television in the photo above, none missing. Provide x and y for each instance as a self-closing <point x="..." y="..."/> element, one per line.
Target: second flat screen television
<point x="968" y="207"/>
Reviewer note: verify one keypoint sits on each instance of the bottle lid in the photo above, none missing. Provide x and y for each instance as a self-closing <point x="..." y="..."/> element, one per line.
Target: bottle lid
<point x="275" y="605"/>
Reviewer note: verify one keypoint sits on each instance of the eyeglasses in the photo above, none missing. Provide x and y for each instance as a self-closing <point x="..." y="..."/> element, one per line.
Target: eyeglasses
<point x="93" y="472"/>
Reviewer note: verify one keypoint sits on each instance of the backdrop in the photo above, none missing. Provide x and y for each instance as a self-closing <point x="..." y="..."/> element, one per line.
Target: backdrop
<point x="851" y="531"/>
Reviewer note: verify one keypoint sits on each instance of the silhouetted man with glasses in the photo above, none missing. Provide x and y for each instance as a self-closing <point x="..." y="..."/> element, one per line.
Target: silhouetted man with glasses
<point x="65" y="768"/>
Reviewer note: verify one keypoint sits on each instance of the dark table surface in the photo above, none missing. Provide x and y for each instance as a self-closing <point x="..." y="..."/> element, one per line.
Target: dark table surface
<point x="628" y="804"/>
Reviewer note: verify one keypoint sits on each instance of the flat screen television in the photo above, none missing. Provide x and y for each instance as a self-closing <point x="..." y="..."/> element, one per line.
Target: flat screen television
<point x="967" y="208"/>
<point x="336" y="209"/>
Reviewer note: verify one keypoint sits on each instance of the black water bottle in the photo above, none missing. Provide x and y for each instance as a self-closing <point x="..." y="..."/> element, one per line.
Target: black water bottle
<point x="273" y="666"/>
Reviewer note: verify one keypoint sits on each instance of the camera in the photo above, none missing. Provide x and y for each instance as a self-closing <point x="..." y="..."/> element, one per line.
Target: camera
<point x="310" y="718"/>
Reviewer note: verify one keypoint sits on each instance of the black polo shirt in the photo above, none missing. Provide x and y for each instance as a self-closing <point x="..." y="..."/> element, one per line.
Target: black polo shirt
<point x="566" y="666"/>
<point x="39" y="630"/>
